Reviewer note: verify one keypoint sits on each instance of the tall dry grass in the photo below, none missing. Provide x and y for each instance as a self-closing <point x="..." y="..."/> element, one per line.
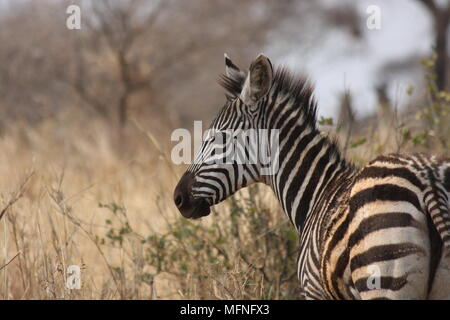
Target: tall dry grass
<point x="72" y="195"/>
<point x="76" y="168"/>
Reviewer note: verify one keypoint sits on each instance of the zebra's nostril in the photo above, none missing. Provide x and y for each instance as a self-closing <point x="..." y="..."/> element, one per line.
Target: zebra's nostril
<point x="178" y="200"/>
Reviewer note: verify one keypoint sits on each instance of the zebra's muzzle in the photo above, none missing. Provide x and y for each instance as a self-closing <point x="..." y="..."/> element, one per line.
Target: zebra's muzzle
<point x="188" y="206"/>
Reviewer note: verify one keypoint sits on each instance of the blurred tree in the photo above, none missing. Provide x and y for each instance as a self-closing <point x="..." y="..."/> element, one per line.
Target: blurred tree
<point x="148" y="58"/>
<point x="346" y="118"/>
<point x="161" y="49"/>
<point x="118" y="26"/>
<point x="154" y="60"/>
<point x="441" y="21"/>
<point x="346" y="115"/>
<point x="345" y="16"/>
<point x="384" y="106"/>
<point x="27" y="74"/>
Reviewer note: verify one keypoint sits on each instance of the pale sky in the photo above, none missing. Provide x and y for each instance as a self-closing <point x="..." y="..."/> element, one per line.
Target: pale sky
<point x="339" y="63"/>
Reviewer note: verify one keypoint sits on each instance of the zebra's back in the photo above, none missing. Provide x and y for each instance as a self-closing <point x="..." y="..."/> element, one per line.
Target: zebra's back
<point x="387" y="237"/>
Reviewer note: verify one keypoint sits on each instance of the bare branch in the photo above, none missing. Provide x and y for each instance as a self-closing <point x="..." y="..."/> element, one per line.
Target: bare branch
<point x="10" y="260"/>
<point x="16" y="195"/>
<point x="430" y="5"/>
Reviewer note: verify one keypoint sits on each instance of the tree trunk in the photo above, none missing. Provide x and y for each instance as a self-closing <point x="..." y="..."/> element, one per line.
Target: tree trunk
<point x="441" y="28"/>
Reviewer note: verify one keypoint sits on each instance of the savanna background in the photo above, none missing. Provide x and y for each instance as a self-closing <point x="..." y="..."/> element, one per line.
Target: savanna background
<point x="86" y="117"/>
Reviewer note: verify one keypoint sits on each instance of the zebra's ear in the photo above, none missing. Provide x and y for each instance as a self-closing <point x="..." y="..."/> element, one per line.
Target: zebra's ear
<point x="234" y="78"/>
<point x="258" y="81"/>
<point x="231" y="70"/>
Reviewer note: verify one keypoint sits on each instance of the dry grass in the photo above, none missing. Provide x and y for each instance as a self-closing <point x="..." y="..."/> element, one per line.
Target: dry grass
<point x="67" y="187"/>
<point x="75" y="169"/>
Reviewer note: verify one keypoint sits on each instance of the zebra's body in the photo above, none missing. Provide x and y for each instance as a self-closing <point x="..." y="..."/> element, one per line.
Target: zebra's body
<point x="383" y="219"/>
<point x="381" y="231"/>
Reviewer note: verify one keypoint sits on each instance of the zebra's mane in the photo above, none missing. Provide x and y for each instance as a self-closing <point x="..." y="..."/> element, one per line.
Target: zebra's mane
<point x="299" y="90"/>
<point x="285" y="84"/>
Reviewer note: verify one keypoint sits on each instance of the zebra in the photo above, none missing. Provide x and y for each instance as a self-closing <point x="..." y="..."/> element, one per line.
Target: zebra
<point x="381" y="231"/>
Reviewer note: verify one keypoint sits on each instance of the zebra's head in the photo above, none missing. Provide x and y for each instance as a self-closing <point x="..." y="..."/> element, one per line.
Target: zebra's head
<point x="210" y="179"/>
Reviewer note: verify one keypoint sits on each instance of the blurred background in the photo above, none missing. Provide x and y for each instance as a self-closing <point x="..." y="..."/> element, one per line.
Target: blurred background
<point x="86" y="117"/>
<point x="161" y="59"/>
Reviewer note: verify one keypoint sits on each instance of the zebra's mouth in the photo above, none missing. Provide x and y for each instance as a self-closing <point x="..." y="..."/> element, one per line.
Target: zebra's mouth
<point x="190" y="207"/>
<point x="195" y="209"/>
<point x="201" y="209"/>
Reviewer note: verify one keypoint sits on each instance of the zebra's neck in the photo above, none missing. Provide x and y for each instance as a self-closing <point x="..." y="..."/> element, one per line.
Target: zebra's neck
<point x="310" y="164"/>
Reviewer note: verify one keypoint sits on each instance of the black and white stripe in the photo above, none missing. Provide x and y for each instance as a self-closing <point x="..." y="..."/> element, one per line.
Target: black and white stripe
<point x="389" y="219"/>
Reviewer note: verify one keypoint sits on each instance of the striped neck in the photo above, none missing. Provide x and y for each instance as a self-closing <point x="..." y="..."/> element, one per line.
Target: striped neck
<point x="310" y="163"/>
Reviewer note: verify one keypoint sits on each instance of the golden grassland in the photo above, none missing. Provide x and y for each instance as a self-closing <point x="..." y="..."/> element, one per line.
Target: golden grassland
<point x="66" y="184"/>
